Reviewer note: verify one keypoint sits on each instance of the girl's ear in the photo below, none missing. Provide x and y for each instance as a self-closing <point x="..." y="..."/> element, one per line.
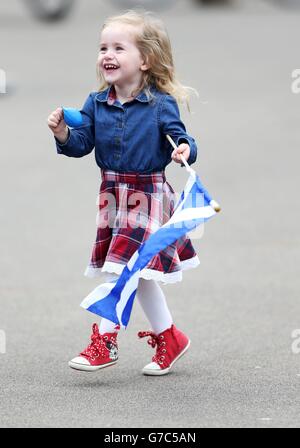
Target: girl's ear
<point x="145" y="66"/>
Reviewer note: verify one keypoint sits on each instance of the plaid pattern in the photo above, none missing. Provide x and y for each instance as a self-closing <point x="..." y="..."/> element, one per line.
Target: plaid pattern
<point x="131" y="207"/>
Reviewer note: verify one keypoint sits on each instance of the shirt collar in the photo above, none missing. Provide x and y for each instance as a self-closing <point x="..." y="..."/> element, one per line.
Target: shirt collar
<point x="109" y="96"/>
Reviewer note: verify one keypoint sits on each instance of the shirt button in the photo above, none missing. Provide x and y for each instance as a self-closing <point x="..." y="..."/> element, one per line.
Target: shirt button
<point x="118" y="141"/>
<point x="117" y="156"/>
<point x="120" y="125"/>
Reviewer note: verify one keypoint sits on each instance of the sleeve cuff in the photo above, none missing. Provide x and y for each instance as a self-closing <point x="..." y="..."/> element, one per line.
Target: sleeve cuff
<point x="61" y="146"/>
<point x="192" y="155"/>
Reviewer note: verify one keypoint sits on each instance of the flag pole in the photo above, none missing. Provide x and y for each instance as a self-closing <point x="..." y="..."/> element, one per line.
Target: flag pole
<point x="212" y="203"/>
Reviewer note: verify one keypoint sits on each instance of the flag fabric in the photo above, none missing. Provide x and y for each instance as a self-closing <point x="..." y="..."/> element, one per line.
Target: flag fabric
<point x="114" y="300"/>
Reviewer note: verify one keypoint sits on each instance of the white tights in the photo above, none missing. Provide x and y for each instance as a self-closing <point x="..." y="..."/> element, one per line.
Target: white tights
<point x="153" y="303"/>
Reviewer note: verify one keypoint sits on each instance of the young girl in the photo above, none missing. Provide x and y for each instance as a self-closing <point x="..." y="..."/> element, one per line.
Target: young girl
<point x="126" y="122"/>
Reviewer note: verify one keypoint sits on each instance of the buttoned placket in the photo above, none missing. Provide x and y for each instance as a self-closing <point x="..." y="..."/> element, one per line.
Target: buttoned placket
<point x="119" y="129"/>
<point x="112" y="101"/>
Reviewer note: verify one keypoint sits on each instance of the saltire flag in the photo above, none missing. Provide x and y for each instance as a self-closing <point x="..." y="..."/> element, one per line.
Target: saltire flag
<point x="114" y="300"/>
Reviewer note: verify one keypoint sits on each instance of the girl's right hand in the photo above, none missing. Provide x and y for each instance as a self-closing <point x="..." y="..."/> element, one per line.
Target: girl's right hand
<point x="57" y="125"/>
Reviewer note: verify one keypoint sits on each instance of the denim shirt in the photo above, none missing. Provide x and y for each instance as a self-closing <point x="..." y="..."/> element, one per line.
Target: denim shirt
<point x="128" y="137"/>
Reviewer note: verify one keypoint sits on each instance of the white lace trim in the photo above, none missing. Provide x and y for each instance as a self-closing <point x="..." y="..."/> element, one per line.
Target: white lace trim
<point x="148" y="274"/>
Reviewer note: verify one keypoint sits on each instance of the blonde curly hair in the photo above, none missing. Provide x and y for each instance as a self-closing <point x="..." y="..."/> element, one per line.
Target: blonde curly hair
<point x="154" y="44"/>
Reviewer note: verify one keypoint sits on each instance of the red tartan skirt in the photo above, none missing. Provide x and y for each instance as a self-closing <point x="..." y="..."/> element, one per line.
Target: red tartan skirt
<point x="131" y="206"/>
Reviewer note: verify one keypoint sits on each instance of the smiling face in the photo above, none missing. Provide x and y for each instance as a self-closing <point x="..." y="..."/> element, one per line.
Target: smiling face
<point x="119" y="59"/>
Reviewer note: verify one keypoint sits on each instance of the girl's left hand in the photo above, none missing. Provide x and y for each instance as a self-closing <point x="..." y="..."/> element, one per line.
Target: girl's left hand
<point x="183" y="149"/>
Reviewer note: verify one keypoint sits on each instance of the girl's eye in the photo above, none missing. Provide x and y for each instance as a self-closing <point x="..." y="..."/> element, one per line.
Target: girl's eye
<point x="117" y="48"/>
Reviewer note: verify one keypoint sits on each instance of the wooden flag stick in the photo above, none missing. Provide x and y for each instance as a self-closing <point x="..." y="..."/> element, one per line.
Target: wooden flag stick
<point x="212" y="203"/>
<point x="182" y="158"/>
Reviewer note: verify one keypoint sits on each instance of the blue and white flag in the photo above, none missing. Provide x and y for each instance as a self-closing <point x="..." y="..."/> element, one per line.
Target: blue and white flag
<point x="114" y="300"/>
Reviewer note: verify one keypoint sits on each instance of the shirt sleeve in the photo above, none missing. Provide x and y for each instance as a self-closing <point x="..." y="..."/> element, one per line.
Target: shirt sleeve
<point x="81" y="141"/>
<point x="171" y="124"/>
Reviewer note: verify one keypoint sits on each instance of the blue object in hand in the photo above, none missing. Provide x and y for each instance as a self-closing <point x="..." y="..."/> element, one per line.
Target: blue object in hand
<point x="72" y="117"/>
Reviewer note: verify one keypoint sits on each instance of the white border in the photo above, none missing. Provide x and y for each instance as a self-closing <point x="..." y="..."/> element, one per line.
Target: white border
<point x="148" y="274"/>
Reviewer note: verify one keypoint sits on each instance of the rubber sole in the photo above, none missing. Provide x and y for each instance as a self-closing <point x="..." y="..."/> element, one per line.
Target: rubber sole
<point x="161" y="372"/>
<point x="85" y="368"/>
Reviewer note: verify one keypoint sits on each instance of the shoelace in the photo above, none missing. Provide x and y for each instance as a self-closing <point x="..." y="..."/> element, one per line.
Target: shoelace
<point x="97" y="347"/>
<point x="155" y="340"/>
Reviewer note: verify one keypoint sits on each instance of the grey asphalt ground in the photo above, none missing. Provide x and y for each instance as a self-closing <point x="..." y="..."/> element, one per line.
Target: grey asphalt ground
<point x="239" y="307"/>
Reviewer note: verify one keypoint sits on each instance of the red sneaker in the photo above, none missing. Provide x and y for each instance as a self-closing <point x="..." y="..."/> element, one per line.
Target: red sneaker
<point x="171" y="344"/>
<point x="101" y="352"/>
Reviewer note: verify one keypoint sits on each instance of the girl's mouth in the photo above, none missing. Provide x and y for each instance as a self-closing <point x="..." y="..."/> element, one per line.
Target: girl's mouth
<point x="109" y="68"/>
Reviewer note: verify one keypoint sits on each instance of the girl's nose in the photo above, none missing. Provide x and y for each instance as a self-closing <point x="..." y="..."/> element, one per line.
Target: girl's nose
<point x="109" y="54"/>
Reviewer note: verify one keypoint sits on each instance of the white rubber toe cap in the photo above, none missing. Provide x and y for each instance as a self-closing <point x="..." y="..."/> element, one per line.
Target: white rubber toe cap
<point x="154" y="369"/>
<point x="81" y="363"/>
<point x="152" y="366"/>
<point x="80" y="360"/>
